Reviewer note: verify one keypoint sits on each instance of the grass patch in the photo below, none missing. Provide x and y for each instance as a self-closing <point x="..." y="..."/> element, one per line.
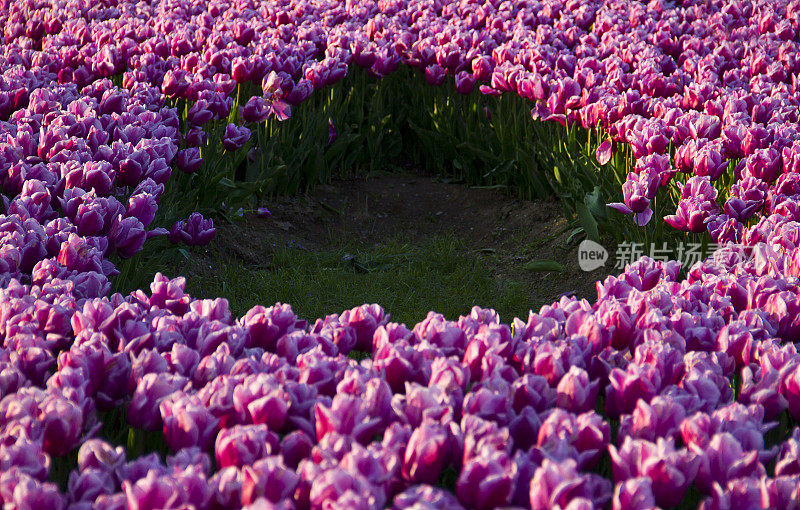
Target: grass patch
<point x="407" y="280"/>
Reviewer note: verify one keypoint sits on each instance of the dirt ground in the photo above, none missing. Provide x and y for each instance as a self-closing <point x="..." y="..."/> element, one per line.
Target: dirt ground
<point x="506" y="232"/>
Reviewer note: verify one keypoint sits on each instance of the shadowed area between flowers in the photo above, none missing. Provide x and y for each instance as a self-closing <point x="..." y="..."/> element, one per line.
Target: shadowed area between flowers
<point x="411" y="242"/>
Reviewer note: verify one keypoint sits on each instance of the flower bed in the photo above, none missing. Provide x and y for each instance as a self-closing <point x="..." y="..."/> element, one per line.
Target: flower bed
<point x="666" y="391"/>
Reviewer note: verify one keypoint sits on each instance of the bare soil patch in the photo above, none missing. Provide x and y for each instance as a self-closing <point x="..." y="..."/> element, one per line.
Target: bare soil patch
<point x="504" y="231"/>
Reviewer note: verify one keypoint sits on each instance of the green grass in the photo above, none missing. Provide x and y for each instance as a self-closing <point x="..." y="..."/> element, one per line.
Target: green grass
<point x="407" y="280"/>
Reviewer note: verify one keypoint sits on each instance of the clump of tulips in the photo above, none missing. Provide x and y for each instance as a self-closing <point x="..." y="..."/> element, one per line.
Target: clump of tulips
<point x="664" y="392"/>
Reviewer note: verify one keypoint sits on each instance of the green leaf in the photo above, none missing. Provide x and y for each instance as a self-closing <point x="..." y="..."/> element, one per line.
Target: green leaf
<point x="595" y="203"/>
<point x="588" y="222"/>
<point x="573" y="235"/>
<point x="544" y="265"/>
<point x="557" y="175"/>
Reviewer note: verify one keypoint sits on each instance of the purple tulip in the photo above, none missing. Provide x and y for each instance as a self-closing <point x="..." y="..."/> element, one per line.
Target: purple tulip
<point x="575" y="393"/>
<point x="426" y="496"/>
<point x="189" y="160"/>
<point x="127" y="235"/>
<point x="723" y="460"/>
<point x="152" y="492"/>
<point x="487" y="481"/>
<point x="187" y="422"/>
<point x="62" y="425"/>
<point x="150" y="391"/>
<point x="194" y="231"/>
<point x="670" y="471"/>
<point x="98" y="454"/>
<point x="662" y="417"/>
<point x="261" y="400"/>
<point x="18" y="490"/>
<point x="195" y="137"/>
<point x="255" y="110"/>
<point x="190" y="459"/>
<point x="226" y="485"/>
<point x="294" y="447"/>
<point x="427" y="453"/>
<point x="634" y="494"/>
<point x="708" y="161"/>
<point x="764" y="164"/>
<point x="267" y="478"/>
<point x="243" y="445"/>
<point x="200" y="113"/>
<point x="558" y="484"/>
<point x="300" y="92"/>
<point x="346" y="415"/>
<point x="89" y="484"/>
<point x="692" y="215"/>
<point x="26" y="456"/>
<point x="465" y="82"/>
<point x="235" y="137"/>
<point x="637" y="191"/>
<point x="627" y="387"/>
<point x="587" y="433"/>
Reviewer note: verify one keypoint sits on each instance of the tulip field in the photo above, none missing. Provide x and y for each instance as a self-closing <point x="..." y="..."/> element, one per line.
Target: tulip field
<point x="127" y="128"/>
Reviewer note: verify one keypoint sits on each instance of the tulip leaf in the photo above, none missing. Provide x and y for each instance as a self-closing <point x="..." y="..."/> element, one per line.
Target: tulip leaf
<point x="557" y="174"/>
<point x="544" y="265"/>
<point x="573" y="235"/>
<point x="588" y="222"/>
<point x="595" y="203"/>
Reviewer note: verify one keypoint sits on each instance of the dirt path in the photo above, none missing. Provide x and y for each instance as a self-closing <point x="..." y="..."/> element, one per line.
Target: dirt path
<point x="505" y="232"/>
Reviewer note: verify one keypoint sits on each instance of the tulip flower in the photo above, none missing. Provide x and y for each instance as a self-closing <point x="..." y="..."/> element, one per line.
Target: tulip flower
<point x="62" y="425"/>
<point x="575" y="393"/>
<point x="255" y="110"/>
<point x="723" y="460"/>
<point x="235" y="137"/>
<point x="426" y="496"/>
<point x="98" y="454"/>
<point x="187" y="422"/>
<point x="426" y="454"/>
<point x="487" y="481"/>
<point x="558" y="484"/>
<point x="200" y="113"/>
<point x="267" y="478"/>
<point x="22" y="491"/>
<point x="339" y="489"/>
<point x="346" y="415"/>
<point x="294" y="447"/>
<point x="194" y="231"/>
<point x="634" y="494"/>
<point x="89" y="484"/>
<point x="150" y="391"/>
<point x="637" y="191"/>
<point x="26" y="456"/>
<point x="261" y="400"/>
<point x="243" y="445"/>
<point x="127" y="235"/>
<point x="465" y="82"/>
<point x="671" y="471"/>
<point x="189" y="160"/>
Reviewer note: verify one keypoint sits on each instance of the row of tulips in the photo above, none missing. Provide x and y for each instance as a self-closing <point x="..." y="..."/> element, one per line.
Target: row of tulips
<point x="663" y="392"/>
<point x="679" y="106"/>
